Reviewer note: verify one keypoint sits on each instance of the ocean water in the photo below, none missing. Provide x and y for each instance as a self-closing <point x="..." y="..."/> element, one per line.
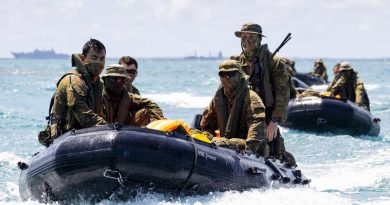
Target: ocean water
<point x="343" y="169"/>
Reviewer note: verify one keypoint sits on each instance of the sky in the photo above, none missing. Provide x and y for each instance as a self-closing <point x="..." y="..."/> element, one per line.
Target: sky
<point x="177" y="28"/>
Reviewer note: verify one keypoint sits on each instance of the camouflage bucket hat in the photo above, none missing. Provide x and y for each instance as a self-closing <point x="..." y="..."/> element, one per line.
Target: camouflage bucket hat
<point x="115" y="70"/>
<point x="229" y="66"/>
<point x="250" y="28"/>
<point x="345" y="66"/>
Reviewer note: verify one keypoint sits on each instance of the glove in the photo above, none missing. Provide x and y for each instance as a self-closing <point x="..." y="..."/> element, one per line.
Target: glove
<point x="278" y="147"/>
<point x="259" y="147"/>
<point x="142" y="117"/>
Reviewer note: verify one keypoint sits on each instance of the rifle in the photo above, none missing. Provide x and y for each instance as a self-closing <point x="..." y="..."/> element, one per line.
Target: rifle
<point x="288" y="37"/>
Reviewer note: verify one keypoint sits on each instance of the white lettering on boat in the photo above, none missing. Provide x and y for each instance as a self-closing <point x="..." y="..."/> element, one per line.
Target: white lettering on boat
<point x="206" y="155"/>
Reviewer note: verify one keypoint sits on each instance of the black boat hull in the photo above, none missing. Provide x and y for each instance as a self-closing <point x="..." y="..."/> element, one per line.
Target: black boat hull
<point x="309" y="79"/>
<point x="93" y="163"/>
<point x="321" y="115"/>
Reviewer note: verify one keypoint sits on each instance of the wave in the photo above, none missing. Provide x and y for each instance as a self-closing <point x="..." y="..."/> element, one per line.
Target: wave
<point x="372" y="86"/>
<point x="180" y="99"/>
<point x="349" y="175"/>
<point x="11" y="158"/>
<point x="282" y="196"/>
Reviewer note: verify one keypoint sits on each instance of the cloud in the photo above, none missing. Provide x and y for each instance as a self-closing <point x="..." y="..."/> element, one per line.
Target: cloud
<point x="180" y="27"/>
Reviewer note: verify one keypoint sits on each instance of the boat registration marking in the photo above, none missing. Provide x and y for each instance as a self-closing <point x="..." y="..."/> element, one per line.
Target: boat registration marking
<point x="206" y="155"/>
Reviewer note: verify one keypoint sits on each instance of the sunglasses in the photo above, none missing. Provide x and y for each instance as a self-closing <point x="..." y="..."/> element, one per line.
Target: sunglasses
<point x="117" y="79"/>
<point x="227" y="74"/>
<point x="131" y="71"/>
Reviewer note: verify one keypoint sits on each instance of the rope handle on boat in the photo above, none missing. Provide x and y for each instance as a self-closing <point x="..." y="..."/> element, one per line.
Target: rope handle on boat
<point x="194" y="164"/>
<point x="110" y="174"/>
<point x="278" y="174"/>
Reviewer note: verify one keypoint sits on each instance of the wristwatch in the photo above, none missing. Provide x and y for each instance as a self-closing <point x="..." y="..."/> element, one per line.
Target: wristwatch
<point x="275" y="119"/>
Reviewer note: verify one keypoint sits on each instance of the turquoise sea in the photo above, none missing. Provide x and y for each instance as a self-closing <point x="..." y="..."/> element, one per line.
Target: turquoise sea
<point x="343" y="169"/>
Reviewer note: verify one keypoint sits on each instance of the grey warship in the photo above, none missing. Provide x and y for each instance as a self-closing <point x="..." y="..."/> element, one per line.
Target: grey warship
<point x="40" y="54"/>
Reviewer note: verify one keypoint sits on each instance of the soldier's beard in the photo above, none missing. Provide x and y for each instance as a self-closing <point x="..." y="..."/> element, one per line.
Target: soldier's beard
<point x="94" y="69"/>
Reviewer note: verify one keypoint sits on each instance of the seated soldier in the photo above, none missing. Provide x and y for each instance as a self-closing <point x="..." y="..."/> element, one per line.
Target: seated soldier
<point x="336" y="73"/>
<point x="319" y="70"/>
<point x="131" y="66"/>
<point x="239" y="115"/>
<point x="122" y="107"/>
<point x="350" y="86"/>
<point x="291" y="72"/>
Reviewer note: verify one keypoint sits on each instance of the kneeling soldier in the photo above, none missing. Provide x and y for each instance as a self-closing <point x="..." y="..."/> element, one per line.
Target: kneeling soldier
<point x="237" y="112"/>
<point x="122" y="107"/>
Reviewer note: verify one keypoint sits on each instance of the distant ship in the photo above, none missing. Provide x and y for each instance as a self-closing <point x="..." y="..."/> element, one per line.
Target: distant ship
<point x="40" y="54"/>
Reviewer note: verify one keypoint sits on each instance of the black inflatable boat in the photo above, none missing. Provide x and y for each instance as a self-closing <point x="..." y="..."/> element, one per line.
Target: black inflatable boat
<point x="94" y="163"/>
<point x="326" y="114"/>
<point x="309" y="79"/>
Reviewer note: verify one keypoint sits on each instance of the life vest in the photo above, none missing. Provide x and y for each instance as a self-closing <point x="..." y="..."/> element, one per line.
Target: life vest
<point x="176" y="126"/>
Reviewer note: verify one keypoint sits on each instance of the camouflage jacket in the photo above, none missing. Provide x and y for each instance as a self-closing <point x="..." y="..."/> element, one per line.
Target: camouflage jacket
<point x="131" y="88"/>
<point x="132" y="110"/>
<point x="351" y="88"/>
<point x="271" y="82"/>
<point x="336" y="78"/>
<point x="320" y="71"/>
<point x="76" y="101"/>
<point x="247" y="119"/>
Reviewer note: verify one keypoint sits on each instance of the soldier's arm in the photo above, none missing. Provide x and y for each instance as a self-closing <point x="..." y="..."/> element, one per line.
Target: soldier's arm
<point x="137" y="103"/>
<point x="336" y="88"/>
<point x="209" y="119"/>
<point x="77" y="98"/>
<point x="359" y="92"/>
<point x="281" y="88"/>
<point x="255" y="117"/>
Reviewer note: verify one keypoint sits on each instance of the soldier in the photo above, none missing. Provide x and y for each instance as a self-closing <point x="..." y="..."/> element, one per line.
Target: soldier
<point x="336" y="69"/>
<point x="237" y="112"/>
<point x="122" y="107"/>
<point x="320" y="70"/>
<point x="336" y="72"/>
<point x="350" y="86"/>
<point x="291" y="72"/>
<point x="268" y="78"/>
<point x="131" y="66"/>
<point x="76" y="101"/>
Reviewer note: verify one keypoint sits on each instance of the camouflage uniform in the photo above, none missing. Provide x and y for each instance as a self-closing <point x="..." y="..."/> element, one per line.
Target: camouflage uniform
<point x="291" y="73"/>
<point x="241" y="117"/>
<point x="76" y="101"/>
<point x="320" y="70"/>
<point x="350" y="86"/>
<point x="131" y="88"/>
<point x="131" y="109"/>
<point x="268" y="77"/>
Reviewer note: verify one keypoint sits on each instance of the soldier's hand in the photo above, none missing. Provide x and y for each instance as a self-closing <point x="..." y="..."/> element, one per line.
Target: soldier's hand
<point x="272" y="131"/>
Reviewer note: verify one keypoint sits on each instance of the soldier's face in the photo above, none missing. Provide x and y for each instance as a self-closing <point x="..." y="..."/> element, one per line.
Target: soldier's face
<point x="229" y="80"/>
<point x="114" y="84"/>
<point x="131" y="71"/>
<point x="250" y="41"/>
<point x="97" y="57"/>
<point x="336" y="70"/>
